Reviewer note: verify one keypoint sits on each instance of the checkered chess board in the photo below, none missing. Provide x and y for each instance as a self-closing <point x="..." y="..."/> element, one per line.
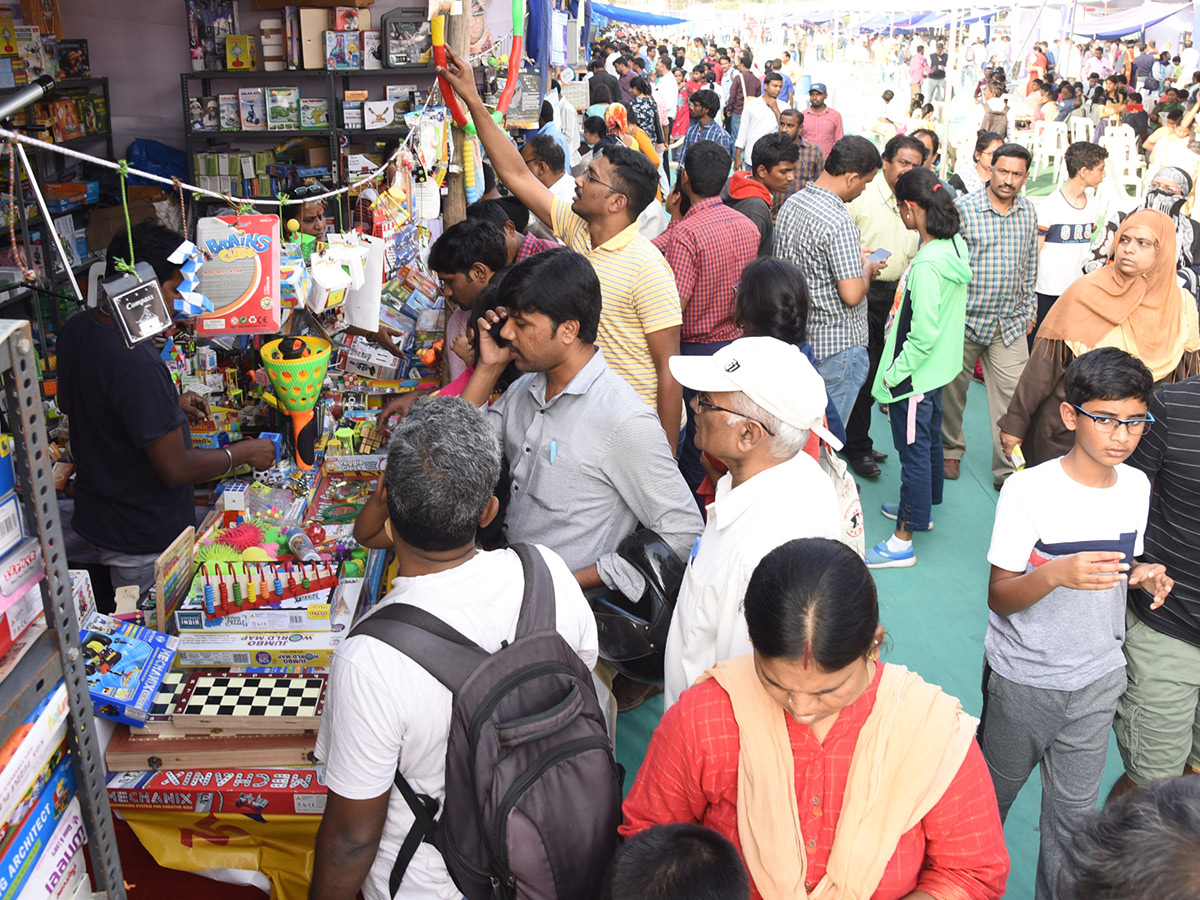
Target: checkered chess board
<point x="168" y="693"/>
<point x="252" y="696"/>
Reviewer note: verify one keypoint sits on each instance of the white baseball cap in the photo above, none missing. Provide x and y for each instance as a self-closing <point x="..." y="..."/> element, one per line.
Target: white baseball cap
<point x="772" y="373"/>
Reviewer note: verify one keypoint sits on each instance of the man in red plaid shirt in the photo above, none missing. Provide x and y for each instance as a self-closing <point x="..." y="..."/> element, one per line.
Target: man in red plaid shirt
<point x="706" y="249"/>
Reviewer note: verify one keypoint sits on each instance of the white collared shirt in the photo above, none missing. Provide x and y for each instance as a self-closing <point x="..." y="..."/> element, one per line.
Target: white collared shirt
<point x="794" y="499"/>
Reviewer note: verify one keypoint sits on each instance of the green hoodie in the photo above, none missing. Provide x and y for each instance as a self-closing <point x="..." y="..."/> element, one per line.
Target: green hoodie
<point x="924" y="345"/>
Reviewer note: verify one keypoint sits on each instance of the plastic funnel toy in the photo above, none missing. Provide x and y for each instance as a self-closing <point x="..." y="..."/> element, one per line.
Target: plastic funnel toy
<point x="296" y="367"/>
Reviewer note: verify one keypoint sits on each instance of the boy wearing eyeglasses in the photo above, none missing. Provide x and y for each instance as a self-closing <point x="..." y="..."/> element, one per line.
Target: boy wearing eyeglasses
<point x="1064" y="550"/>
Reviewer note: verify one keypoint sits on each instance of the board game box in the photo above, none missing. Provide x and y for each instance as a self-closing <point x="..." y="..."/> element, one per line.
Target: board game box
<point x="307" y="612"/>
<point x="241" y="278"/>
<point x="283" y="108"/>
<point x="245" y="790"/>
<point x="125" y="664"/>
<point x="29" y="747"/>
<point x="21" y="851"/>
<point x="205" y="649"/>
<point x="73" y="59"/>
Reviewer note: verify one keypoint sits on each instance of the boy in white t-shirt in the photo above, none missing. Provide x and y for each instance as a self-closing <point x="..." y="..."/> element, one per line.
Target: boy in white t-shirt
<point x="1066" y="221"/>
<point x="384" y="711"/>
<point x="1063" y="551"/>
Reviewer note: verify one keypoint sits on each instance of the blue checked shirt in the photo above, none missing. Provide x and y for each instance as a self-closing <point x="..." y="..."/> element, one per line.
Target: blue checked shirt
<point x="814" y="231"/>
<point x="1004" y="260"/>
<point x="710" y="132"/>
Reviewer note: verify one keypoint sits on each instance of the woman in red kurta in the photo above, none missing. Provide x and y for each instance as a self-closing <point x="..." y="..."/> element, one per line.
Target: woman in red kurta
<point x="812" y="614"/>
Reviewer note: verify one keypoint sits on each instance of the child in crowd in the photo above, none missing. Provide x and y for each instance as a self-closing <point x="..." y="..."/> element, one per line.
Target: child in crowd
<point x="677" y="862"/>
<point x="1063" y="552"/>
<point x="922" y="353"/>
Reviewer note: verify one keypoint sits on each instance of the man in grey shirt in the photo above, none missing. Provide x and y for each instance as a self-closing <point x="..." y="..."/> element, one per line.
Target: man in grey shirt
<point x="587" y="457"/>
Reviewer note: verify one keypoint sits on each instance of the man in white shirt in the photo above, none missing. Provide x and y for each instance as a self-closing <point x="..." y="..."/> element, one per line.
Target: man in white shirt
<point x="760" y="117"/>
<point x="384" y="711"/>
<point x="1066" y="222"/>
<point x="544" y="157"/>
<point x="759" y="399"/>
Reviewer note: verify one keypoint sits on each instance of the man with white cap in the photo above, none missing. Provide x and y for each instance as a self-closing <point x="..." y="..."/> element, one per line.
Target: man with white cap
<point x="758" y="402"/>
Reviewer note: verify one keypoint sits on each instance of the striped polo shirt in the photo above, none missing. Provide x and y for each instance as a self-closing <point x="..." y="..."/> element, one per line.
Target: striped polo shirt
<point x="639" y="294"/>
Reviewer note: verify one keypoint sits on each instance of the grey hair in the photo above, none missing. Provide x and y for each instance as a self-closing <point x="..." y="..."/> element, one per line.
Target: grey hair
<point x="788" y="440"/>
<point x="443" y="462"/>
<point x="1142" y="846"/>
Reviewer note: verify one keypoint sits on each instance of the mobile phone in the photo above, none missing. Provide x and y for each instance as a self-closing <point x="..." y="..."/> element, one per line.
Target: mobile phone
<point x="879" y="255"/>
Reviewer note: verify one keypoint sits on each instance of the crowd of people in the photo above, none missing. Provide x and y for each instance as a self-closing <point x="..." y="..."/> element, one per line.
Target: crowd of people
<point x="670" y="340"/>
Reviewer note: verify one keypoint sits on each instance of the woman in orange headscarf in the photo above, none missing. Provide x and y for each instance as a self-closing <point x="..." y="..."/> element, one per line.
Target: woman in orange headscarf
<point x="1134" y="303"/>
<point x="617" y="118"/>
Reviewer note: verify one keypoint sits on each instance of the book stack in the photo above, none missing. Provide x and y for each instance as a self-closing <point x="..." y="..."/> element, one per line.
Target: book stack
<point x="41" y="823"/>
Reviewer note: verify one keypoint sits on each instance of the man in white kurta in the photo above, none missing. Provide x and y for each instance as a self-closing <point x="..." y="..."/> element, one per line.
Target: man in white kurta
<point x="759" y="402"/>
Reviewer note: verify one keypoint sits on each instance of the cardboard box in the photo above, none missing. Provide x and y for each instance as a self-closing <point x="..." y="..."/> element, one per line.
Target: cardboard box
<point x="317" y="157"/>
<point x="12" y="530"/>
<point x="314" y="113"/>
<point x="125" y="666"/>
<point x="241" y="53"/>
<point x="252" y="106"/>
<point x="343" y="50"/>
<point x="29" y="800"/>
<point x="309" y="612"/>
<point x="104" y="222"/>
<point x="283" y="108"/>
<point x="313" y="25"/>
<point x="252" y="791"/>
<point x="209" y="649"/>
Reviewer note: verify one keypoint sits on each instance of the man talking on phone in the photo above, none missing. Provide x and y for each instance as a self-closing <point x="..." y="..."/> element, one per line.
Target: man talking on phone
<point x="878" y="219"/>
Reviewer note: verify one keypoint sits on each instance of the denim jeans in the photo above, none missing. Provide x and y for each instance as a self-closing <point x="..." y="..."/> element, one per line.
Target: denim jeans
<point x="844" y="373"/>
<point x="735" y="122"/>
<point x="921" y="462"/>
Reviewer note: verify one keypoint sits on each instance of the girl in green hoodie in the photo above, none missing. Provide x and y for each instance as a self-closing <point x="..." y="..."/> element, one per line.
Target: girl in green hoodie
<point x="921" y="354"/>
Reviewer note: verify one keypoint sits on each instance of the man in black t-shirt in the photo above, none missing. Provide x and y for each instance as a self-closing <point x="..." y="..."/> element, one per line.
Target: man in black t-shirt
<point x="935" y="84"/>
<point x="1155" y="722"/>
<point x="134" y="461"/>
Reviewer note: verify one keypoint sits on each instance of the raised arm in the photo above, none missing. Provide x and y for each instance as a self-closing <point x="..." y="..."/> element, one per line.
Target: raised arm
<point x="506" y="159"/>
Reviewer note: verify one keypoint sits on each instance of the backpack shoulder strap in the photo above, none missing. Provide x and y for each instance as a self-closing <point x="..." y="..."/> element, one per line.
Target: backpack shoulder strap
<point x="437" y="648"/>
<point x="538" y="611"/>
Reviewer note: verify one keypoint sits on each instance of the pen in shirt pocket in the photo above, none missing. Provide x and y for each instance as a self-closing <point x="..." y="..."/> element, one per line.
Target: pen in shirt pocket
<point x="553" y="450"/>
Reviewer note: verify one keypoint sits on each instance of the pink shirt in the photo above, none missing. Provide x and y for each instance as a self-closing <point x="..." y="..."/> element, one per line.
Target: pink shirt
<point x="918" y="68"/>
<point x="823" y="129"/>
<point x="455" y="325"/>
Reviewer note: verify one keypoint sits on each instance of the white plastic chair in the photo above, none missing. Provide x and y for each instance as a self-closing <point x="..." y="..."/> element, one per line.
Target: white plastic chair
<point x="1081" y="128"/>
<point x="1124" y="161"/>
<point x="1051" y="145"/>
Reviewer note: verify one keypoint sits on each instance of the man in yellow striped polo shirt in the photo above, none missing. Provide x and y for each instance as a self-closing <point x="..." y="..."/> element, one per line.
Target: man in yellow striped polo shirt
<point x="641" y="316"/>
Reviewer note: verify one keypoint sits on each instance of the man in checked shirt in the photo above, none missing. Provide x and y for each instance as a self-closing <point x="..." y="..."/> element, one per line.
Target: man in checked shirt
<point x="1000" y="228"/>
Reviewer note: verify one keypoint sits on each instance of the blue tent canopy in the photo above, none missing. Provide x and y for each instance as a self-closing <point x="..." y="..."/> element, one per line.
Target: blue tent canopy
<point x="965" y="18"/>
<point x="633" y="16"/>
<point x="922" y="20"/>
<point x="1129" y="21"/>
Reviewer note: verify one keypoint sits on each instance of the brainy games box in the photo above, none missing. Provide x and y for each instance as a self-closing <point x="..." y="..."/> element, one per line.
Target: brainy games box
<point x="241" y="274"/>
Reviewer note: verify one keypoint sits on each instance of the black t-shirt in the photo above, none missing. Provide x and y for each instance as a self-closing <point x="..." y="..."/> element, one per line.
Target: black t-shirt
<point x="1167" y="454"/>
<point x="937" y="64"/>
<point x="119" y="401"/>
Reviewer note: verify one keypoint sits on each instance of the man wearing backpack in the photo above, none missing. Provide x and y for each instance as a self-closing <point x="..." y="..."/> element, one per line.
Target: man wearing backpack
<point x="388" y="718"/>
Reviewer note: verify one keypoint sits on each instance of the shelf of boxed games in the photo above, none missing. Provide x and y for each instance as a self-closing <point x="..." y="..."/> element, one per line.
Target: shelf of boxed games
<point x="56" y="652"/>
<point x="333" y="132"/>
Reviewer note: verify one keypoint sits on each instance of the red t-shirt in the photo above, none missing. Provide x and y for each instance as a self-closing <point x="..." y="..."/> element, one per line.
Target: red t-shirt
<point x="690" y="775"/>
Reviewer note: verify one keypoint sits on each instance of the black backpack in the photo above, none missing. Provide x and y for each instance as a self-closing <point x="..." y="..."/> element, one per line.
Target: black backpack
<point x="533" y="792"/>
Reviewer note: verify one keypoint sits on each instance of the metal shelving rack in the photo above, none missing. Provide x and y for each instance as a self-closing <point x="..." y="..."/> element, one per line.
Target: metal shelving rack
<point x="334" y="133"/>
<point x="56" y="653"/>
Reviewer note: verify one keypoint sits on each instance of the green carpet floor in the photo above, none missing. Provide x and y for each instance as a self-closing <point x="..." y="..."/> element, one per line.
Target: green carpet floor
<point x="935" y="613"/>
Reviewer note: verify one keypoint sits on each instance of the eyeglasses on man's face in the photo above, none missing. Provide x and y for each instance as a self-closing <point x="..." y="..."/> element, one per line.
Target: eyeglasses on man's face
<point x="703" y="402"/>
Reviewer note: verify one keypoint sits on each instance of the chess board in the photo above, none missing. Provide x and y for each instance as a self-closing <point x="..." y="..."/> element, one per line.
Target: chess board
<point x="249" y="704"/>
<point x="158" y="719"/>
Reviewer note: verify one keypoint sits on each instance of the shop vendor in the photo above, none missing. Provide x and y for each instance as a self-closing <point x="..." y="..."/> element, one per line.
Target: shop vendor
<point x="135" y="464"/>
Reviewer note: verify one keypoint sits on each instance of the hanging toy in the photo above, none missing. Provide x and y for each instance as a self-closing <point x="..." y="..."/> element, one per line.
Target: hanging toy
<point x="472" y="170"/>
<point x="438" y="31"/>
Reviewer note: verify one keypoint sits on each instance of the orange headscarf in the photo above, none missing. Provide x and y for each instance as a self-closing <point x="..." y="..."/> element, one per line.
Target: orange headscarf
<point x="616" y="118"/>
<point x="1151" y="304"/>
